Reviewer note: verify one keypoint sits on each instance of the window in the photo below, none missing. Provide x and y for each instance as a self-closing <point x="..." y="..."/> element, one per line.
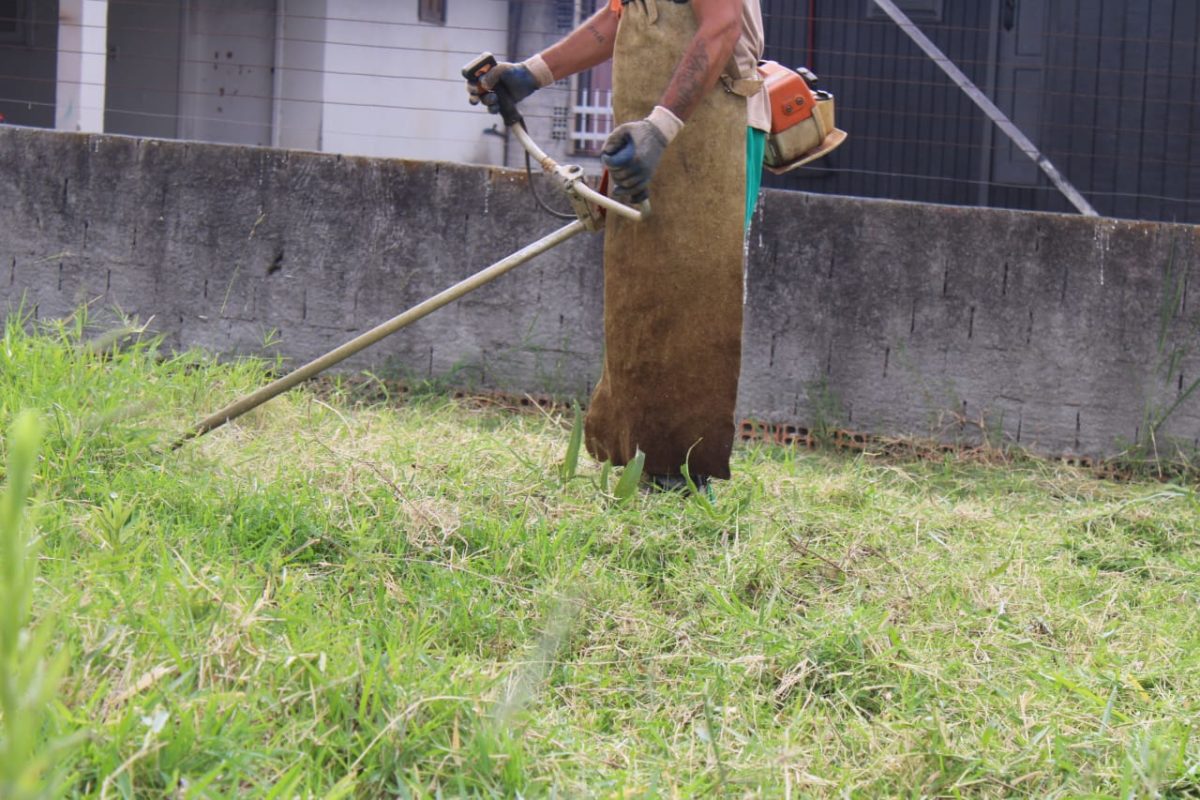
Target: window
<point x="432" y="11"/>
<point x="917" y="10"/>
<point x="568" y="13"/>
<point x="14" y="22"/>
<point x="593" y="111"/>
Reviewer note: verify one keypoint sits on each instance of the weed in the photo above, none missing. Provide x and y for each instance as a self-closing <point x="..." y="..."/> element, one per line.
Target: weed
<point x="631" y="478"/>
<point x="570" y="464"/>
<point x="1155" y="452"/>
<point x="29" y="674"/>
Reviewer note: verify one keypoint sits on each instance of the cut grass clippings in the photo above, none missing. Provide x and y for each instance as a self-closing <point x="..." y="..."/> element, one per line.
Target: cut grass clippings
<point x="423" y="599"/>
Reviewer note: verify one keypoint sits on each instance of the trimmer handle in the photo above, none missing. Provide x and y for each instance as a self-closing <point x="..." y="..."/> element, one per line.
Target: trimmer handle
<point x="482" y="65"/>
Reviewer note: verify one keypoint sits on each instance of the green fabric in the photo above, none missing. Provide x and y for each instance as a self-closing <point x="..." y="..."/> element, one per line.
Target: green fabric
<point x="756" y="149"/>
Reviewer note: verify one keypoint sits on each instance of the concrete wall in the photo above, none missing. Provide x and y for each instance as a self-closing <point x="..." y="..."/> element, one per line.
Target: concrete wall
<point x="1063" y="333"/>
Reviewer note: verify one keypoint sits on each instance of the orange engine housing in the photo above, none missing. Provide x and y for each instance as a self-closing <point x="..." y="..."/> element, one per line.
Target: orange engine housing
<point x="792" y="101"/>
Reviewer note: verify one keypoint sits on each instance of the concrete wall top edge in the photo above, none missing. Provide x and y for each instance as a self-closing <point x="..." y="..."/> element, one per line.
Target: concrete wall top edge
<point x="772" y="197"/>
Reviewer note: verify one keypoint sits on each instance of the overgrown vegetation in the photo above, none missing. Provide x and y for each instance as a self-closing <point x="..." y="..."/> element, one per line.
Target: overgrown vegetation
<point x="1155" y="451"/>
<point x="328" y="599"/>
<point x="27" y="677"/>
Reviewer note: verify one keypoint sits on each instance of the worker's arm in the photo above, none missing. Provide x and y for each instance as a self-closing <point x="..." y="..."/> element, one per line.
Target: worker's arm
<point x="585" y="47"/>
<point x="720" y="27"/>
<point x="633" y="150"/>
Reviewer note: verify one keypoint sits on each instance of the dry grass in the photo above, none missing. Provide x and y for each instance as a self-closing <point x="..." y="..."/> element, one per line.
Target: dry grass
<point x="407" y="599"/>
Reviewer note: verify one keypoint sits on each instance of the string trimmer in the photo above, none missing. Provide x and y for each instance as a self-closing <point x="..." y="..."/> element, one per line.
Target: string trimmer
<point x="588" y="205"/>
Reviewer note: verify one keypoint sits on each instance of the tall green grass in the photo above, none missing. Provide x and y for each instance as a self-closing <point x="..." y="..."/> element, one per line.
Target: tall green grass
<point x="28" y="674"/>
<point x="430" y="599"/>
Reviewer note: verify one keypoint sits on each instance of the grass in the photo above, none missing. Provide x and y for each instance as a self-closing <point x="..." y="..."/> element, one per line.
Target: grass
<point x="27" y="678"/>
<point x="330" y="599"/>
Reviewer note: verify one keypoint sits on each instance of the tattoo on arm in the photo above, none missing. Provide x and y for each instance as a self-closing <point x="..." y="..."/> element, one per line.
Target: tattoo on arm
<point x="596" y="34"/>
<point x="583" y="48"/>
<point x="688" y="85"/>
<point x="720" y="26"/>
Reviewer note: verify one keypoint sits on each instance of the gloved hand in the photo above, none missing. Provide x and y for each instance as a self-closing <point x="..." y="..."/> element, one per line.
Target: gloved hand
<point x="633" y="150"/>
<point x="521" y="80"/>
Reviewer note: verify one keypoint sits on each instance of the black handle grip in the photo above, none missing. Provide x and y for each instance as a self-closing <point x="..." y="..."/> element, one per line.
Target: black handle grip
<point x="482" y="65"/>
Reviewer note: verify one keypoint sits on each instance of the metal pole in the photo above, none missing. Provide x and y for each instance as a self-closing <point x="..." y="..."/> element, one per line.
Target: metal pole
<point x="239" y="407"/>
<point x="984" y="102"/>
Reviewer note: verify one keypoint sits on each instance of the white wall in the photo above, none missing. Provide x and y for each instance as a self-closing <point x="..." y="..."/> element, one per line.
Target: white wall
<point x="226" y="83"/>
<point x="393" y="85"/>
<point x="192" y="69"/>
<point x="361" y="77"/>
<point x="299" y="116"/>
<point x="82" y="29"/>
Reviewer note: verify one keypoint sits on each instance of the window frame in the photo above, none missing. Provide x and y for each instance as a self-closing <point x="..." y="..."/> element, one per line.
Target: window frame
<point x="22" y="26"/>
<point x="432" y="12"/>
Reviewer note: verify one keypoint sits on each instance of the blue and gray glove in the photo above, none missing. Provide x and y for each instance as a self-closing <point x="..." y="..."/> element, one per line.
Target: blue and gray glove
<point x="633" y="150"/>
<point x="521" y="80"/>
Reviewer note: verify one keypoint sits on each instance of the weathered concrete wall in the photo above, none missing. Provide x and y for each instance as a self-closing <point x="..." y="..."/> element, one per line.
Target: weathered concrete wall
<point x="1067" y="335"/>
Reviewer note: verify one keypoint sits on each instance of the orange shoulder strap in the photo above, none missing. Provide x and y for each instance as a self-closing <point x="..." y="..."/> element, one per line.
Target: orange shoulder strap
<point x="614" y="6"/>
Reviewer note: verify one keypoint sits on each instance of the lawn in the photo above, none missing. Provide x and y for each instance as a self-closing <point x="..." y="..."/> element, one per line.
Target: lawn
<point x="409" y="597"/>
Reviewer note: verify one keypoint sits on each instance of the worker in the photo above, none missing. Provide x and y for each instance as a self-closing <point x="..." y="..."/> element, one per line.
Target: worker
<point x="685" y="93"/>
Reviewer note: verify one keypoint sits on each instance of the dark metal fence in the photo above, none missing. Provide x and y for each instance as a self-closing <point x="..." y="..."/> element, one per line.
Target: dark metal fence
<point x="1107" y="89"/>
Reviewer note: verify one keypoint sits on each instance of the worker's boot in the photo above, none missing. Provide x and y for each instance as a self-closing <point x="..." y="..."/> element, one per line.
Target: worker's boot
<point x="679" y="484"/>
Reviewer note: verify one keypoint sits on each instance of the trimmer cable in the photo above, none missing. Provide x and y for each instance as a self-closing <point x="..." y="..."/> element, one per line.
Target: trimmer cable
<point x="537" y="198"/>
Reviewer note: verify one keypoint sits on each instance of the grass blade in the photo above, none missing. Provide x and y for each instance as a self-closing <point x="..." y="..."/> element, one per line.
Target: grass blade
<point x="28" y="681"/>
<point x="631" y="476"/>
<point x="701" y="496"/>
<point x="570" y="465"/>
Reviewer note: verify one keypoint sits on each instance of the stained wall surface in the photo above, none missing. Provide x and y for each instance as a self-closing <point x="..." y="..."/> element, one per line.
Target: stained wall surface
<point x="1064" y="334"/>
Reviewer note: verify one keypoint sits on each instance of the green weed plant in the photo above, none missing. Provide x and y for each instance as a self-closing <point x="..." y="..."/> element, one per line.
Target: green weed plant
<point x="29" y="670"/>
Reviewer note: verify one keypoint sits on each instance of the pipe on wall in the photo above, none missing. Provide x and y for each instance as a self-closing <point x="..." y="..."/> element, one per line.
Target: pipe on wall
<point x="516" y="18"/>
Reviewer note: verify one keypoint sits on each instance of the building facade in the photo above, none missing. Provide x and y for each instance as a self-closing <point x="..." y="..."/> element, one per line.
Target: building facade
<point x="1106" y="88"/>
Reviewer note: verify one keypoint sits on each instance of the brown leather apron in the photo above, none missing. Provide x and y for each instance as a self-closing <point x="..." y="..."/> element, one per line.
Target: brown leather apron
<point x="673" y="283"/>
